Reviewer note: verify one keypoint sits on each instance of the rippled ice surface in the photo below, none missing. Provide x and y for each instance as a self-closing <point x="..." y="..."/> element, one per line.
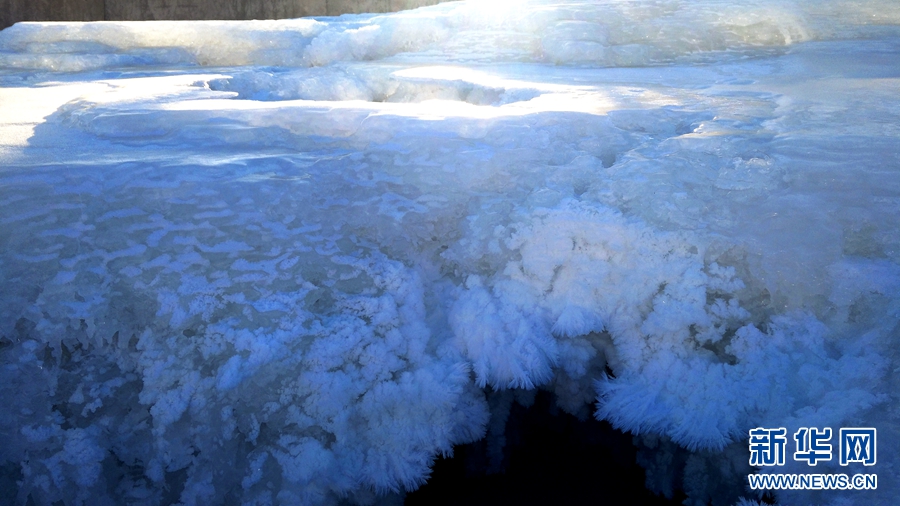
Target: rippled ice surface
<point x="292" y="262"/>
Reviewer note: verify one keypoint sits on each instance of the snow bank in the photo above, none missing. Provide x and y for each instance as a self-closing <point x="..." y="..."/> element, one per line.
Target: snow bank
<point x="607" y="33"/>
<point x="280" y="262"/>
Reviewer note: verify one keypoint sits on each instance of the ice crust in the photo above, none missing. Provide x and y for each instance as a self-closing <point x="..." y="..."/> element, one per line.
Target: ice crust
<point x="292" y="262"/>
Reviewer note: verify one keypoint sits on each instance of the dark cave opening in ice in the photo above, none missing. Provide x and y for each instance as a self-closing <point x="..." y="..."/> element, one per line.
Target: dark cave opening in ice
<point x="550" y="457"/>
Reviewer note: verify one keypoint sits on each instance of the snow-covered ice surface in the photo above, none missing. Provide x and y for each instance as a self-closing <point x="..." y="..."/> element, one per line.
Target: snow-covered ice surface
<point x="282" y="262"/>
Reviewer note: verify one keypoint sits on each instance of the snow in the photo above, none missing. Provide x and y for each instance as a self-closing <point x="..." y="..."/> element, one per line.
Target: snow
<point x="310" y="256"/>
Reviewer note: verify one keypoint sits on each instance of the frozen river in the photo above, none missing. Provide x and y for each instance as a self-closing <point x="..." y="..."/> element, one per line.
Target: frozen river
<point x="293" y="262"/>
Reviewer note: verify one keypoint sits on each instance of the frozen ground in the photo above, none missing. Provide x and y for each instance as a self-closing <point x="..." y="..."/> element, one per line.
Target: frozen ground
<point x="292" y="262"/>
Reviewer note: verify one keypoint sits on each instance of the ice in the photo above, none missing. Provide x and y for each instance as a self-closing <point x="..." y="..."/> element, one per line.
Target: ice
<point x="293" y="262"/>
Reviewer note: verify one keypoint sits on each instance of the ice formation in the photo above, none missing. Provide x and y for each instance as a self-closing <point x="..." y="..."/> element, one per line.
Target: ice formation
<point x="279" y="262"/>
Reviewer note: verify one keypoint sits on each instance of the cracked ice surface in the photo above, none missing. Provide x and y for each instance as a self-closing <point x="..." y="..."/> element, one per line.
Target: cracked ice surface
<point x="278" y="262"/>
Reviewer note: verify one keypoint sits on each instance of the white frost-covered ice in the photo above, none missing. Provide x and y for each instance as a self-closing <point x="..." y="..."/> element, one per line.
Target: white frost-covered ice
<point x="287" y="262"/>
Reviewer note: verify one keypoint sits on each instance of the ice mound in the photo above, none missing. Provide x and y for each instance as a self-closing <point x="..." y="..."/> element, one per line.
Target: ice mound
<point x="608" y="33"/>
<point x="284" y="262"/>
<point x="374" y="85"/>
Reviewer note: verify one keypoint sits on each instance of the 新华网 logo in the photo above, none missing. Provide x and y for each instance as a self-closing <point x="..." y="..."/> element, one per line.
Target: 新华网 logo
<point x="855" y="445"/>
<point x="813" y="445"/>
